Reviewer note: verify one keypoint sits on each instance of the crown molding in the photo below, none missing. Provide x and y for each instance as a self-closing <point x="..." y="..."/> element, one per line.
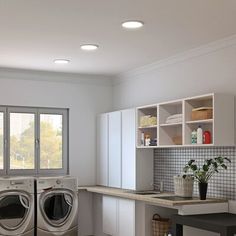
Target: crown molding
<point x="61" y="77"/>
<point x="192" y="53"/>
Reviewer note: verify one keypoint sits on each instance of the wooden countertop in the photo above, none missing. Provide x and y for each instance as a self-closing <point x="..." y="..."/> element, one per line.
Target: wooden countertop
<point x="116" y="192"/>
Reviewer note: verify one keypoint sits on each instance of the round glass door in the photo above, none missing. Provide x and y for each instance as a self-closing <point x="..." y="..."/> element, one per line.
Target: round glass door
<point x="14" y="208"/>
<point x="57" y="207"/>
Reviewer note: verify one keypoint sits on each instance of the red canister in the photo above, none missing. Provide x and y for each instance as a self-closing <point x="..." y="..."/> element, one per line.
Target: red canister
<point x="207" y="137"/>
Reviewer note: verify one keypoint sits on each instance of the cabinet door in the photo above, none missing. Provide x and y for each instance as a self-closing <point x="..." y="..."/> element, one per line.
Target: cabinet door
<point x="126" y="217"/>
<point x="109" y="215"/>
<point x="102" y="150"/>
<point x="128" y="150"/>
<point x="114" y="170"/>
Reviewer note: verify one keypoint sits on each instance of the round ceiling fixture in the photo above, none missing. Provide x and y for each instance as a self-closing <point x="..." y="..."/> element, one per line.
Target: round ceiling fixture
<point x="89" y="47"/>
<point x="132" y="24"/>
<point x="61" y="61"/>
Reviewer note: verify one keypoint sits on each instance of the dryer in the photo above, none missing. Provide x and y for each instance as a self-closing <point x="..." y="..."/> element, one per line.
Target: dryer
<point x="17" y="206"/>
<point x="57" y="206"/>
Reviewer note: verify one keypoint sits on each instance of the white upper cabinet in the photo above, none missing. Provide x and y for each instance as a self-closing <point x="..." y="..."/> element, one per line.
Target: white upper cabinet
<point x="102" y="150"/>
<point x="119" y="164"/>
<point x="128" y="149"/>
<point x="114" y="149"/>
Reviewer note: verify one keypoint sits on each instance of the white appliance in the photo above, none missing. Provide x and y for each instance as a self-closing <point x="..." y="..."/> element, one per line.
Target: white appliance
<point x="57" y="206"/>
<point x="17" y="206"/>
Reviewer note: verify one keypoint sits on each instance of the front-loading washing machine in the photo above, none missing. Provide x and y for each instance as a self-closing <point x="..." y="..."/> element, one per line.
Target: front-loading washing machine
<point x="57" y="206"/>
<point x="17" y="206"/>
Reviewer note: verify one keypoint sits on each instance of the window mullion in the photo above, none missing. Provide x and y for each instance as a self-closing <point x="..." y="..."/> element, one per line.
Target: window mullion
<point x="37" y="142"/>
<point x="7" y="140"/>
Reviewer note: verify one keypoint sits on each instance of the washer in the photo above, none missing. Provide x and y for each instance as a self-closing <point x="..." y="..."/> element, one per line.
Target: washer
<point x="17" y="206"/>
<point x="57" y="206"/>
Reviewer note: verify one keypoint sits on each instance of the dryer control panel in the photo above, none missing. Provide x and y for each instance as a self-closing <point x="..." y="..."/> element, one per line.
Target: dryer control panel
<point x="47" y="183"/>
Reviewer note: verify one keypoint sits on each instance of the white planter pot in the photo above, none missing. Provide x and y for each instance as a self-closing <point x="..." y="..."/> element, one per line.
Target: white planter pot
<point x="183" y="187"/>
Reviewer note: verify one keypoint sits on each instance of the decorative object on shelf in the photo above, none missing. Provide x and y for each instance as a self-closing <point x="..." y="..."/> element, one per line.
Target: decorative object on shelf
<point x="153" y="142"/>
<point x="142" y="139"/>
<point x="148" y="120"/>
<point x="204" y="173"/>
<point x="194" y="137"/>
<point x="176" y="118"/>
<point x="207" y="137"/>
<point x="202" y="113"/>
<point x="199" y="135"/>
<point x="160" y="226"/>
<point x="183" y="185"/>
<point x="177" y="140"/>
<point x="147" y="140"/>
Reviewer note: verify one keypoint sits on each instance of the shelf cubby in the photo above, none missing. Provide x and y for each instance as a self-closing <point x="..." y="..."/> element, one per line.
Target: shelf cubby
<point x="168" y="109"/>
<point x="193" y="126"/>
<point x="147" y="129"/>
<point x="167" y="133"/>
<point x="197" y="102"/>
<point x="190" y="124"/>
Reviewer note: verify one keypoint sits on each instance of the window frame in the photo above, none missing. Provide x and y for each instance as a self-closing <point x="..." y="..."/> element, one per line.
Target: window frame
<point x="6" y="140"/>
<point x="22" y="110"/>
<point x="65" y="138"/>
<point x="4" y="111"/>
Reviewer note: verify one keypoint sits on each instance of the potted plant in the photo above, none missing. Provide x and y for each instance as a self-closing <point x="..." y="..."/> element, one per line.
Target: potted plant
<point x="204" y="173"/>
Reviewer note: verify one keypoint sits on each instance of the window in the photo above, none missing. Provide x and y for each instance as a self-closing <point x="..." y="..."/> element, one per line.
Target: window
<point x="33" y="140"/>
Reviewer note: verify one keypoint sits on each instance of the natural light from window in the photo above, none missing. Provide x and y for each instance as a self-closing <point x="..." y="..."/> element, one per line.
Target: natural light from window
<point x="22" y="138"/>
<point x="50" y="141"/>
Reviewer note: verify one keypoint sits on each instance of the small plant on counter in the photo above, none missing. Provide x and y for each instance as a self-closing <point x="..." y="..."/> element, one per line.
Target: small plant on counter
<point x="203" y="174"/>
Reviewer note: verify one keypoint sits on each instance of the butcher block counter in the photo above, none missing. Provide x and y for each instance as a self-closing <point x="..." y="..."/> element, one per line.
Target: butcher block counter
<point x="164" y="199"/>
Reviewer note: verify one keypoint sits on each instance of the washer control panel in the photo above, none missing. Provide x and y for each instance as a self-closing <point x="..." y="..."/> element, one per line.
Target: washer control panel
<point x="23" y="184"/>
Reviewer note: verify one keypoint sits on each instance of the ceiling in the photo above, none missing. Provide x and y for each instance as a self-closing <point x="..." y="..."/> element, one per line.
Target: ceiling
<point x="33" y="33"/>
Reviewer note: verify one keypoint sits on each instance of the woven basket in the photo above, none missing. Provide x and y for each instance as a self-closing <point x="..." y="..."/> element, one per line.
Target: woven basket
<point x="183" y="187"/>
<point x="160" y="226"/>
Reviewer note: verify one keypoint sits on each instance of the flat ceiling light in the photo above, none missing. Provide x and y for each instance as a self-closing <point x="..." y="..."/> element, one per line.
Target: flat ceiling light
<point x="132" y="24"/>
<point x="61" y="61"/>
<point x="89" y="47"/>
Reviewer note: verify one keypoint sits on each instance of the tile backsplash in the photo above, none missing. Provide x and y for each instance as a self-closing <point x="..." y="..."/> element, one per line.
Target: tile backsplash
<point x="170" y="161"/>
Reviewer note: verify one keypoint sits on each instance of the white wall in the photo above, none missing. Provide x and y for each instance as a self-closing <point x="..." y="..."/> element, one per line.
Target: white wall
<point x="212" y="71"/>
<point x="85" y="101"/>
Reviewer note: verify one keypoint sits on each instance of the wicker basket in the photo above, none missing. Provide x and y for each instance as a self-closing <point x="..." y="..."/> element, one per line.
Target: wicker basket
<point x="183" y="187"/>
<point x="202" y="114"/>
<point x="160" y="226"/>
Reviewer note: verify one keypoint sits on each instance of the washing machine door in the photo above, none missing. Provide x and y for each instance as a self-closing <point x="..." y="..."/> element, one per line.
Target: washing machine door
<point x="56" y="207"/>
<point x="14" y="210"/>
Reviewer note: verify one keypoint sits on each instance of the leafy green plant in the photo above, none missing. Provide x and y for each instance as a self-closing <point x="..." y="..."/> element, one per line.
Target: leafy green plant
<point x="208" y="169"/>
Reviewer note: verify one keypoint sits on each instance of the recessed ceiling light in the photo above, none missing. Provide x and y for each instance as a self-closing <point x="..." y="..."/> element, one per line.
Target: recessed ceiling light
<point x="132" y="24"/>
<point x="89" y="47"/>
<point x="61" y="61"/>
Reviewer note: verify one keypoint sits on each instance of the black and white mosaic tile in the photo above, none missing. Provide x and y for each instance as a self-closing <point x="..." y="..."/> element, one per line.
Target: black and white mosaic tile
<point x="170" y="162"/>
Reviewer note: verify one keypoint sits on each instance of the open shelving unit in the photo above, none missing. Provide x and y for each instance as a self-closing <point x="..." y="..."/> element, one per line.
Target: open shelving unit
<point x="178" y="132"/>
